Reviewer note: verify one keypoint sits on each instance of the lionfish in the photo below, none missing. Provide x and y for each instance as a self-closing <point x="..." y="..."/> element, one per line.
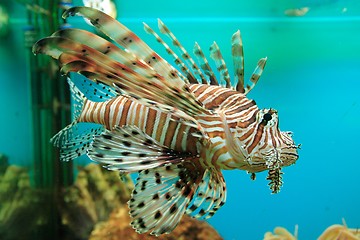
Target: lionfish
<point x="178" y="127"/>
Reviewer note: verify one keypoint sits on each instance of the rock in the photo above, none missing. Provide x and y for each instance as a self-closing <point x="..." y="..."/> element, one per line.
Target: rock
<point x="94" y="195"/>
<point x="23" y="209"/>
<point x="98" y="192"/>
<point x="3" y="164"/>
<point x="118" y="228"/>
<point x="26" y="212"/>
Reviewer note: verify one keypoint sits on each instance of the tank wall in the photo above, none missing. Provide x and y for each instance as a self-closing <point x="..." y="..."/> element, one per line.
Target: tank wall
<point x="16" y="124"/>
<point x="311" y="78"/>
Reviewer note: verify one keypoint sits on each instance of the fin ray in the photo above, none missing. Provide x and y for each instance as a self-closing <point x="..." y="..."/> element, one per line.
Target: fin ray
<point x="184" y="69"/>
<point x="210" y="195"/>
<point x="256" y="74"/>
<point x="129" y="149"/>
<point x="184" y="54"/>
<point x="172" y="187"/>
<point x="148" y="86"/>
<point x="216" y="55"/>
<point x="238" y="60"/>
<point x="204" y="64"/>
<point x="72" y="141"/>
<point x="127" y="39"/>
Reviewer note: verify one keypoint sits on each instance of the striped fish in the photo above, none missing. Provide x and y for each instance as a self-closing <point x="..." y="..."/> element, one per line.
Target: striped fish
<point x="178" y="126"/>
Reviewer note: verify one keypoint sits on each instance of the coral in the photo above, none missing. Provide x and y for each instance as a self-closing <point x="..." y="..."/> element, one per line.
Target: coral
<point x="23" y="210"/>
<point x="334" y="232"/>
<point x="118" y="228"/>
<point x="281" y="233"/>
<point x="340" y="232"/>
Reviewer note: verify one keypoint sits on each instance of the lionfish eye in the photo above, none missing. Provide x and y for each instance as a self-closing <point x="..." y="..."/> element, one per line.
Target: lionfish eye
<point x="267" y="117"/>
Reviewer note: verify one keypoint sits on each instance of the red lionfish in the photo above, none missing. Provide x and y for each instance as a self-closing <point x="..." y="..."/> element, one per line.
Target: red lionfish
<point x="177" y="128"/>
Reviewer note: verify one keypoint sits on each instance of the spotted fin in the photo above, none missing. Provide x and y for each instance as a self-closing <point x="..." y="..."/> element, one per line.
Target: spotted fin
<point x="161" y="196"/>
<point x="210" y="196"/>
<point x="128" y="149"/>
<point x="74" y="140"/>
<point x="127" y="39"/>
<point x="95" y="92"/>
<point x="109" y="49"/>
<point x="148" y="87"/>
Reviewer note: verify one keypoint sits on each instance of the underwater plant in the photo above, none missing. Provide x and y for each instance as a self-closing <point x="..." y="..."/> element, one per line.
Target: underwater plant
<point x="178" y="128"/>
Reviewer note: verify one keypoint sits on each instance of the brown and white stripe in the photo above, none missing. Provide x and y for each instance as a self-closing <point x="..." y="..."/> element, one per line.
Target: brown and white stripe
<point x="121" y="110"/>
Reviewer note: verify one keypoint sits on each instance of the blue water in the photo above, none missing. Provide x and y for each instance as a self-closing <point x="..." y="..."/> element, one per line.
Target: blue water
<point x="312" y="78"/>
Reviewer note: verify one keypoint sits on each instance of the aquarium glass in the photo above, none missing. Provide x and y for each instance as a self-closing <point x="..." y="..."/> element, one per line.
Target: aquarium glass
<point x="312" y="77"/>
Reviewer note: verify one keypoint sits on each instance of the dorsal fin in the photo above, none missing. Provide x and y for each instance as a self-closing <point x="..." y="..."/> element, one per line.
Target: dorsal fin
<point x="109" y="49"/>
<point x="184" y="54"/>
<point x="238" y="60"/>
<point x="256" y="75"/>
<point x="237" y="53"/>
<point x="147" y="86"/>
<point x="96" y="92"/>
<point x="127" y="39"/>
<point x="204" y="64"/>
<point x="183" y="68"/>
<point x="149" y="78"/>
<point x="216" y="55"/>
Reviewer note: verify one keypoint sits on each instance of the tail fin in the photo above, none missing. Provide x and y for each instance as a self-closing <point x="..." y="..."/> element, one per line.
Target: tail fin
<point x="75" y="139"/>
<point x="67" y="133"/>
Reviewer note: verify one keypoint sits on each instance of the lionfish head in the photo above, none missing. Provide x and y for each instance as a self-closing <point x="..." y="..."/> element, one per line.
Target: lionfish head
<point x="271" y="149"/>
<point x="271" y="146"/>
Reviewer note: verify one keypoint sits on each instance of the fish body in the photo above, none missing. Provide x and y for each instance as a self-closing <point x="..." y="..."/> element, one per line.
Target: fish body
<point x="239" y="113"/>
<point x="177" y="128"/>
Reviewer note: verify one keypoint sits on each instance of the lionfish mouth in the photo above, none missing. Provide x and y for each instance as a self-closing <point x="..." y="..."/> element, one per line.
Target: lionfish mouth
<point x="277" y="157"/>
